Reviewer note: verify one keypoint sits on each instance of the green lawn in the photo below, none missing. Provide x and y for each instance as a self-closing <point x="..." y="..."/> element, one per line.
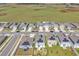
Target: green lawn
<point x="35" y="14"/>
<point x="58" y="51"/>
<point x="77" y="50"/>
<point x="21" y="52"/>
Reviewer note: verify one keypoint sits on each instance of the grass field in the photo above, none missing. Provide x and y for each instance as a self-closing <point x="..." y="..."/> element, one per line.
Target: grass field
<point x="36" y="13"/>
<point x="58" y="51"/>
<point x="21" y="52"/>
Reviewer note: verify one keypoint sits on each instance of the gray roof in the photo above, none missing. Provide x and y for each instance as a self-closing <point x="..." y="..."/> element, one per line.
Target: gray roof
<point x="63" y="38"/>
<point x="74" y="38"/>
<point x="76" y="24"/>
<point x="2" y="38"/>
<point x="44" y="24"/>
<point x="8" y="24"/>
<point x="1" y="24"/>
<point x="27" y="39"/>
<point x="22" y="25"/>
<point x="40" y="38"/>
<point x="69" y="25"/>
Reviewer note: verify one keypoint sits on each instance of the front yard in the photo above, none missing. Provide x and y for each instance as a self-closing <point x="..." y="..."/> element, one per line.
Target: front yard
<point x="59" y="51"/>
<point x="21" y="52"/>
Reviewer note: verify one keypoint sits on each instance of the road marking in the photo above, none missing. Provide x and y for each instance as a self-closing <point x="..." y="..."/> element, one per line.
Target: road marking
<point x="5" y="42"/>
<point x="16" y="45"/>
<point x="13" y="45"/>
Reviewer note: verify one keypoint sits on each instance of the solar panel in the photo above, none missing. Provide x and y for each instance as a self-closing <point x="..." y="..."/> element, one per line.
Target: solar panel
<point x="26" y="43"/>
<point x="40" y="40"/>
<point x="52" y="38"/>
<point x="65" y="40"/>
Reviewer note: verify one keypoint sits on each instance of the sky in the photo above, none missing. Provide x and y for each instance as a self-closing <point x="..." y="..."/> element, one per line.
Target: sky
<point x="39" y="1"/>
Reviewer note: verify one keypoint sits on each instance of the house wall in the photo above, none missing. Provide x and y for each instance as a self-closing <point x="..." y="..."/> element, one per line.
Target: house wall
<point x="40" y="45"/>
<point x="76" y="45"/>
<point x="65" y="44"/>
<point x="25" y="47"/>
<point x="40" y="29"/>
<point x="52" y="42"/>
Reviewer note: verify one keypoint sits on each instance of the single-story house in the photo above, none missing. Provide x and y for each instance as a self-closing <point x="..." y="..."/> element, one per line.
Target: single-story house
<point x="56" y="27"/>
<point x="26" y="42"/>
<point x="62" y="27"/>
<point x="52" y="41"/>
<point x="75" y="40"/>
<point x="22" y="27"/>
<point x="30" y="28"/>
<point x="64" y="41"/>
<point x="40" y="41"/>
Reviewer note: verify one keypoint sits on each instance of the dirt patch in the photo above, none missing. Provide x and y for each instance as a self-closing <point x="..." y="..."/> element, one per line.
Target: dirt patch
<point x="3" y="14"/>
<point x="37" y="9"/>
<point x="14" y="7"/>
<point x="71" y="9"/>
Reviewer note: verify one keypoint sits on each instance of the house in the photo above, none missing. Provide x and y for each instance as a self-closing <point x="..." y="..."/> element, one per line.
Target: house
<point x="22" y="27"/>
<point x="46" y="26"/>
<point x="40" y="29"/>
<point x="56" y="27"/>
<point x="2" y="25"/>
<point x="52" y="41"/>
<point x="8" y="25"/>
<point x="76" y="25"/>
<point x="62" y="27"/>
<point x="40" y="26"/>
<point x="26" y="43"/>
<point x="40" y="41"/>
<point x="70" y="27"/>
<point x="32" y="35"/>
<point x="64" y="41"/>
<point x="75" y="40"/>
<point x="14" y="26"/>
<point x="40" y="44"/>
<point x="30" y="28"/>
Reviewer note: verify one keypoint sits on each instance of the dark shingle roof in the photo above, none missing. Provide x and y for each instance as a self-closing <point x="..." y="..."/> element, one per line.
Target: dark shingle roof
<point x="40" y="40"/>
<point x="65" y="40"/>
<point x="52" y="38"/>
<point x="26" y="43"/>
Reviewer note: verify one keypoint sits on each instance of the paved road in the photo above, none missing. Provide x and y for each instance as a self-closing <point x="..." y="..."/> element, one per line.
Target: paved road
<point x="16" y="45"/>
<point x="35" y="32"/>
<point x="7" y="50"/>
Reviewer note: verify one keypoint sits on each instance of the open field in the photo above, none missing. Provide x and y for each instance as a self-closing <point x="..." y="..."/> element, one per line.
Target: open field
<point x="35" y="13"/>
